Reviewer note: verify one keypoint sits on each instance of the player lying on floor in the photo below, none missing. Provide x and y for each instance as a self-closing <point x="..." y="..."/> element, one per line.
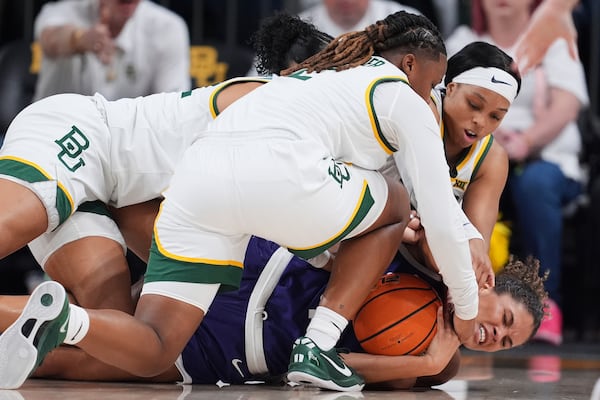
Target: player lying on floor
<point x="480" y="169"/>
<point x="248" y="334"/>
<point x="147" y="344"/>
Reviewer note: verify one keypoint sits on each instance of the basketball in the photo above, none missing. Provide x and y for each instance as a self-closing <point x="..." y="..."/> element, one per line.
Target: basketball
<point x="398" y="317"/>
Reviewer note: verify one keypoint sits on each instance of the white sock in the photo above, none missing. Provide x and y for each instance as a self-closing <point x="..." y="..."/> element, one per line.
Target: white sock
<point x="326" y="327"/>
<point x="79" y="324"/>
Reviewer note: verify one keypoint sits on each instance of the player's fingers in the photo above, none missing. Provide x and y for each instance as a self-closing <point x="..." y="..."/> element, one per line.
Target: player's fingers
<point x="410" y="236"/>
<point x="491" y="279"/>
<point x="414" y="222"/>
<point x="524" y="62"/>
<point x="481" y="279"/>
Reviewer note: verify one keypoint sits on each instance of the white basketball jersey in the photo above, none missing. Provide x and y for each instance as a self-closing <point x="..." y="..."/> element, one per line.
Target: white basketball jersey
<point x="343" y="118"/>
<point x="150" y="134"/>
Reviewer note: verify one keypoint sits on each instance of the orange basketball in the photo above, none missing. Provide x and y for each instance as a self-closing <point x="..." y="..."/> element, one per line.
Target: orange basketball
<point x="398" y="317"/>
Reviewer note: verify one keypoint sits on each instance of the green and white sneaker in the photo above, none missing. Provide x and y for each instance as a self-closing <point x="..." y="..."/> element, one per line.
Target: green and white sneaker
<point x="41" y="328"/>
<point x="324" y="369"/>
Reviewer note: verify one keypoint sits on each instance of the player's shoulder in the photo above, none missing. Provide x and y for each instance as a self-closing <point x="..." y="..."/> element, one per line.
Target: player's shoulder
<point x="493" y="157"/>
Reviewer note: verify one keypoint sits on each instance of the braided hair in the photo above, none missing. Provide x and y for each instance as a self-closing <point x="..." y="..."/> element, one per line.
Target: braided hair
<point x="282" y="40"/>
<point x="402" y="31"/>
<point x="522" y="280"/>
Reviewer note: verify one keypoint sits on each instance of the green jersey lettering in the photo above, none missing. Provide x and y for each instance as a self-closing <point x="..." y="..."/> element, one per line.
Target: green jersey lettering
<point x="300" y="74"/>
<point x="339" y="172"/>
<point x="374" y="62"/>
<point x="72" y="145"/>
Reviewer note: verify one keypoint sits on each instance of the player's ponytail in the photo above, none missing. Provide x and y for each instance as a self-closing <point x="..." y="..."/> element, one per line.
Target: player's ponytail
<point x="283" y="40"/>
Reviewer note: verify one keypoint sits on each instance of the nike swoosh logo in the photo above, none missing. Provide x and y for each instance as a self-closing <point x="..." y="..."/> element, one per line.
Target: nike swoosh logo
<point x="494" y="80"/>
<point x="77" y="333"/>
<point x="63" y="327"/>
<point x="236" y="364"/>
<point x="344" y="371"/>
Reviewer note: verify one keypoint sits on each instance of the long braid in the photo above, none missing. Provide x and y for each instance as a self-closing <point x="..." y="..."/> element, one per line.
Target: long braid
<point x="403" y="31"/>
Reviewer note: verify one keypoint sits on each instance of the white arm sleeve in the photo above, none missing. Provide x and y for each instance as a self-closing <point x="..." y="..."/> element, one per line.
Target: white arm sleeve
<point x="409" y="125"/>
<point x="471" y="231"/>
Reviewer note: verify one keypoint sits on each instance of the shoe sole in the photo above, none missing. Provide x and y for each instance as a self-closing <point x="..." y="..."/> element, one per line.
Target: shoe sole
<point x="18" y="355"/>
<point x="305" y="378"/>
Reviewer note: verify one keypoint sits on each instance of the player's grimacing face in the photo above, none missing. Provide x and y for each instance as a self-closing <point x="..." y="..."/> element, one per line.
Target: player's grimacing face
<point x="502" y="322"/>
<point x="471" y="113"/>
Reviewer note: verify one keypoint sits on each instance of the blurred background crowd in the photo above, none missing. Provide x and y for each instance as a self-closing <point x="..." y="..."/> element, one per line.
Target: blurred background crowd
<point x="129" y="48"/>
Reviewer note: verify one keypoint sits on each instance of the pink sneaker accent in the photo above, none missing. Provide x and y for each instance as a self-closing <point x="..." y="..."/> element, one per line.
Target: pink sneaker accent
<point x="551" y="327"/>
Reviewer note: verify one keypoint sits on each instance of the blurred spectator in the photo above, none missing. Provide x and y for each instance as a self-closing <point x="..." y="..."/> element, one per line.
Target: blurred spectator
<point x="335" y="17"/>
<point x="549" y="22"/>
<point x="428" y="8"/>
<point x="119" y="48"/>
<point x="448" y="15"/>
<point x="540" y="134"/>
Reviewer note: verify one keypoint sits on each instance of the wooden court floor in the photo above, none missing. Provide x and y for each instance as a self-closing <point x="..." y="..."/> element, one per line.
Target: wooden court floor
<point x="569" y="372"/>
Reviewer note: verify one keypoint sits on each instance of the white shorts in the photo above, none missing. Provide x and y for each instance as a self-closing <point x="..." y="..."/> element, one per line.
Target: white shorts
<point x="58" y="147"/>
<point x="80" y="225"/>
<point x="276" y="186"/>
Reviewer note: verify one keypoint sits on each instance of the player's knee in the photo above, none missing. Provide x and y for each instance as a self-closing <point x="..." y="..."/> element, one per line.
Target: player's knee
<point x="89" y="282"/>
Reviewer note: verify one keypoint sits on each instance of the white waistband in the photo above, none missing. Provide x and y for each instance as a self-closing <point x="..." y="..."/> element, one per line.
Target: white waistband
<point x="255" y="354"/>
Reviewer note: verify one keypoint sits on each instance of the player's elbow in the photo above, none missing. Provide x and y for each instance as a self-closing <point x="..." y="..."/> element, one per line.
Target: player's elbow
<point x="446" y="373"/>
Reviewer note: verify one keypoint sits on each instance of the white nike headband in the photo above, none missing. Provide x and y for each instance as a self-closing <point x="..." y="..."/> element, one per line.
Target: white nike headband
<point x="491" y="78"/>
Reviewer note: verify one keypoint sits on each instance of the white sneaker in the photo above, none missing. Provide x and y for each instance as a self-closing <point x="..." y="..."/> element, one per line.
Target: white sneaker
<point x="41" y="327"/>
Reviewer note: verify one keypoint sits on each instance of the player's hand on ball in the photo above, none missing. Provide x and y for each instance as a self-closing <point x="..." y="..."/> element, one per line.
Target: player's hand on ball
<point x="414" y="230"/>
<point x="444" y="344"/>
<point x="465" y="329"/>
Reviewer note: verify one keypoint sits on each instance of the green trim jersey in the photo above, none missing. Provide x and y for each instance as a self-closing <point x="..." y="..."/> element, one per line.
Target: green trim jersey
<point x="472" y="158"/>
<point x="72" y="149"/>
<point x="150" y="134"/>
<point x="468" y="166"/>
<point x="293" y="162"/>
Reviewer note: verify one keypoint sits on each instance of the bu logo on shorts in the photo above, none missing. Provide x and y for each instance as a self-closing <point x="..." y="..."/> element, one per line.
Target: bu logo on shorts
<point x="339" y="172"/>
<point x="72" y="145"/>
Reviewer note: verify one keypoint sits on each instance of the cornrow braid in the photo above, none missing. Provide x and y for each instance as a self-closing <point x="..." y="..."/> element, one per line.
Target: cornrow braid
<point x="406" y="32"/>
